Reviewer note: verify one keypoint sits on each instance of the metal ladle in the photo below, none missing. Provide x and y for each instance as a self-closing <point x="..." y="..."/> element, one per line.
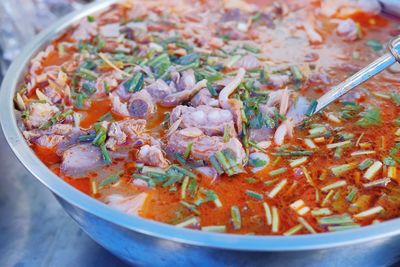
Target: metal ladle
<point x="361" y="76"/>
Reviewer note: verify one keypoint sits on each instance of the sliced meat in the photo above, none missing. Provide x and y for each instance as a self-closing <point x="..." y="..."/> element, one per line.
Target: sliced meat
<point x="247" y="62"/>
<point x="39" y="114"/>
<point x="111" y="30"/>
<point x="116" y="137"/>
<point x="81" y="159"/>
<point x="133" y="128"/>
<point x="203" y="146"/>
<point x="130" y="205"/>
<point x="212" y="121"/>
<point x="235" y="106"/>
<point x="278" y="80"/>
<point x="117" y="106"/>
<point x="179" y="97"/>
<point x="85" y="30"/>
<point x="152" y="156"/>
<point x="348" y="30"/>
<point x="204" y="97"/>
<point x="298" y="109"/>
<point x="128" y="132"/>
<point x="158" y="90"/>
<point x="52" y="95"/>
<point x="108" y="78"/>
<point x="49" y="141"/>
<point x="262" y="134"/>
<point x="284" y="129"/>
<point x="184" y="81"/>
<point x="141" y="105"/>
<point x="294" y="116"/>
<point x="313" y="35"/>
<point x="181" y="89"/>
<point x="232" y="15"/>
<point x="58" y="129"/>
<point x="372" y="6"/>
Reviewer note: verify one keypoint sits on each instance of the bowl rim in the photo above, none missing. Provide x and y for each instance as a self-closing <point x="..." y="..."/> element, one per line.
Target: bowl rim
<point x="144" y="226"/>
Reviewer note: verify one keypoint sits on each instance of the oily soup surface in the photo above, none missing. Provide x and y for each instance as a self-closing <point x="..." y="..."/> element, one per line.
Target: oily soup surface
<point x="185" y="114"/>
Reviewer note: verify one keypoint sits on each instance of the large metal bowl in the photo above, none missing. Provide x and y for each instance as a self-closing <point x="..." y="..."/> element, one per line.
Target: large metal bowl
<point x="147" y="243"/>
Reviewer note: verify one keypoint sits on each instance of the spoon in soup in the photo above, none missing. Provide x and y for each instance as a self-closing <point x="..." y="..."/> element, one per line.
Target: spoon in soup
<point x="382" y="63"/>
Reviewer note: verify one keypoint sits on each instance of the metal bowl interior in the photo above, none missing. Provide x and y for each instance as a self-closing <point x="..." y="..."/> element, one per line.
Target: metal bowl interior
<point x="86" y="204"/>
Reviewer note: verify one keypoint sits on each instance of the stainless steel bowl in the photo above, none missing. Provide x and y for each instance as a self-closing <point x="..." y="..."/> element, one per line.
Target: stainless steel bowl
<point x="143" y="242"/>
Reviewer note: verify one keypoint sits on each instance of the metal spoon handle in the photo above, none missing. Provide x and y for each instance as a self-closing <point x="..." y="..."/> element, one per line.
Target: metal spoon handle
<point x="361" y="76"/>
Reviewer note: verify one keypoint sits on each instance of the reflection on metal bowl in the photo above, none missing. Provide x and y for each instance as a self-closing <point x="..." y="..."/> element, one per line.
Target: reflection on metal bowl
<point x="142" y="242"/>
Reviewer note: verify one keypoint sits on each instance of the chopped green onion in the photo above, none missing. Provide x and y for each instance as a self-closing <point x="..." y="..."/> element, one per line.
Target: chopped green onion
<point x="212" y="90"/>
<point x="184" y="186"/>
<point x="188" y="150"/>
<point x="317" y="131"/>
<point x="87" y="74"/>
<point x="365" y="164"/>
<point x="340" y="144"/>
<point x="268" y="215"/>
<point x="105" y="117"/>
<point x="362" y="152"/>
<point x="293" y="230"/>
<point x="275" y="220"/>
<point x="351" y="194"/>
<point x="216" y="165"/>
<point x="278" y="171"/>
<point x="106" y="156"/>
<point x="298" y="162"/>
<point x="373" y="170"/>
<point x="188" y="222"/>
<point x="311" y="108"/>
<point x="79" y="100"/>
<point x="292" y="153"/>
<point x="297" y="75"/>
<point x="90" y="19"/>
<point x="306" y="225"/>
<point x="307" y="175"/>
<point x="335" y="219"/>
<point x="255" y="195"/>
<point x="380" y="182"/>
<point x="232" y="60"/>
<point x="277" y="188"/>
<point x="227" y="135"/>
<point x="252" y="49"/>
<point x="321" y="212"/>
<point x="327" y="198"/>
<point x="190" y="207"/>
<point x="214" y="228"/>
<point x="338" y="152"/>
<point x="334" y="185"/>
<point x="375" y="45"/>
<point x="172" y="180"/>
<point x="94" y="187"/>
<point x="113" y="178"/>
<point x="369" y="212"/>
<point x="335" y="228"/>
<point x="370" y="117"/>
<point x="134" y="84"/>
<point x="184" y="171"/>
<point x="236" y="218"/>
<point x="106" y="87"/>
<point x="341" y="169"/>
<point x="310" y="143"/>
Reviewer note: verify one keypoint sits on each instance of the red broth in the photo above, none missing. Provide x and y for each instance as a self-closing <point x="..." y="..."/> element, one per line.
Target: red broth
<point x="337" y="171"/>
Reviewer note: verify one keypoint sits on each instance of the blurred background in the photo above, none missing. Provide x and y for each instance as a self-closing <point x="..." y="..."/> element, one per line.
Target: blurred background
<point x="20" y="20"/>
